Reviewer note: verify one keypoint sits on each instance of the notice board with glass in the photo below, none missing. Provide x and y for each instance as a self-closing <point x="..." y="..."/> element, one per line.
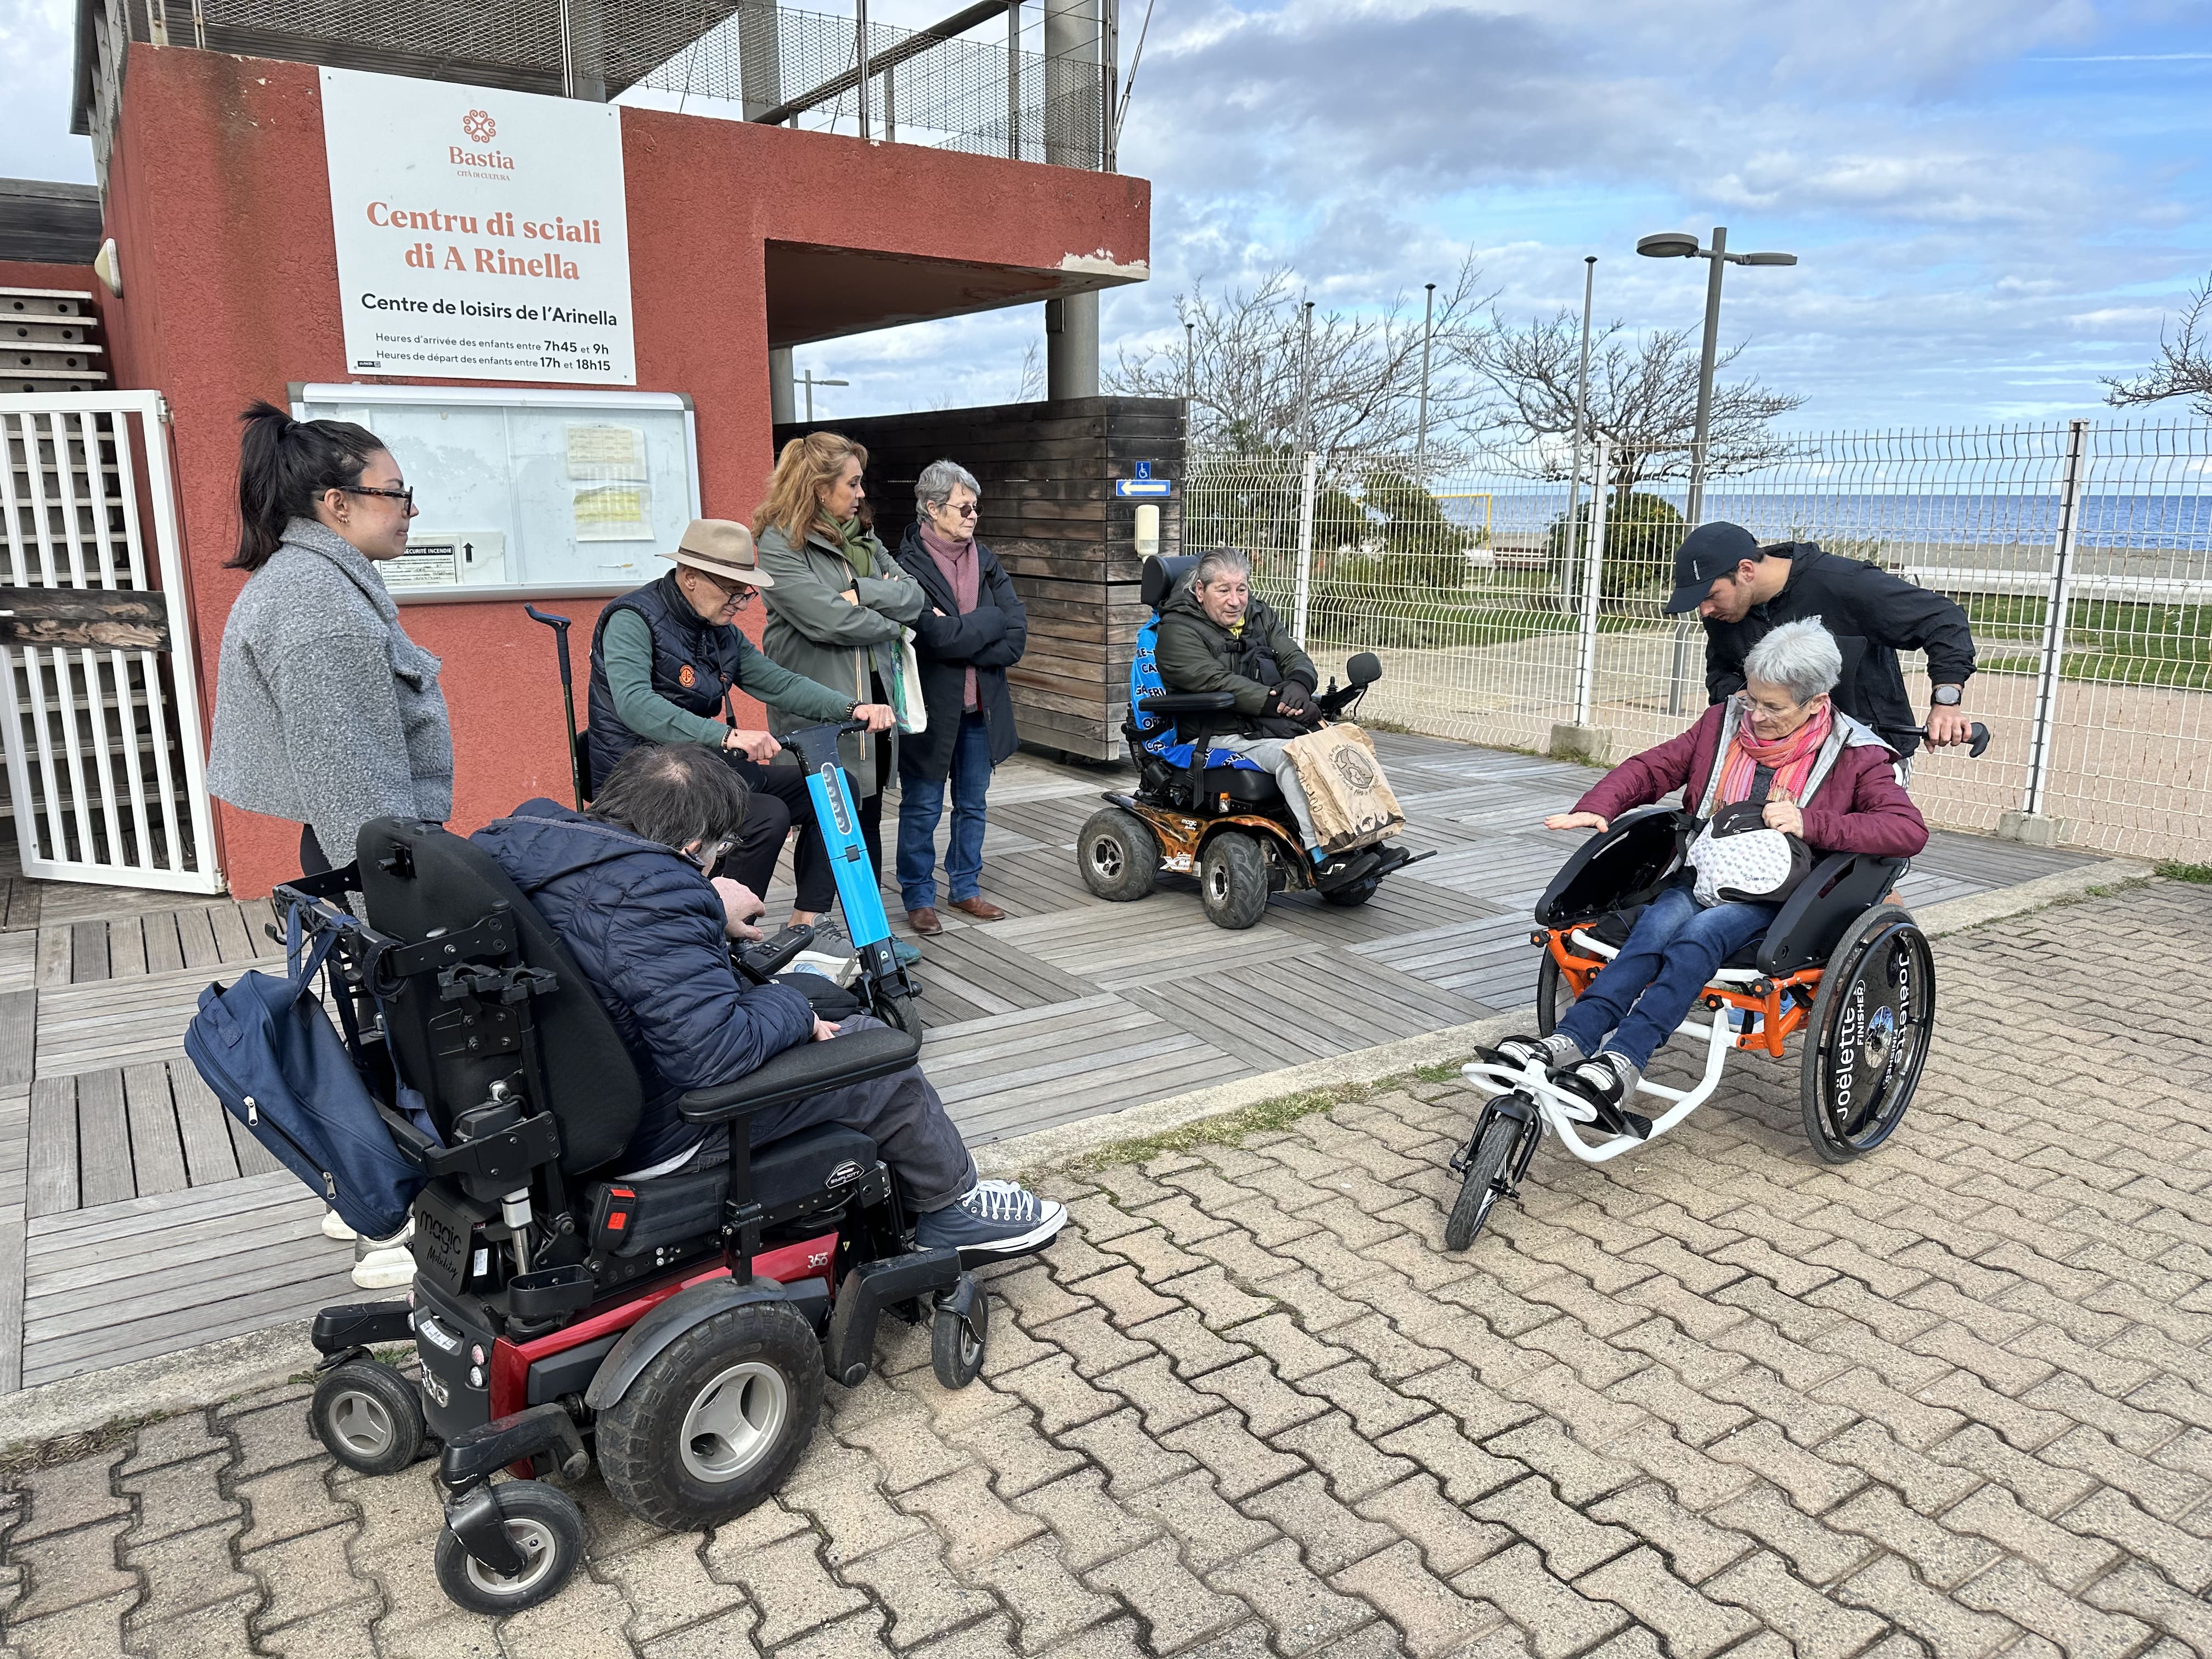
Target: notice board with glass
<point x="525" y="490"/>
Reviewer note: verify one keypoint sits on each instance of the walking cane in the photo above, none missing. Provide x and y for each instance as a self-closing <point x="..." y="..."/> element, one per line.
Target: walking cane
<point x="559" y="627"/>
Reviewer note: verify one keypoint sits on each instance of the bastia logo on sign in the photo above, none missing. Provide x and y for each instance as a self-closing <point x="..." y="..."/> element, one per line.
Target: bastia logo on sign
<point x="478" y="126"/>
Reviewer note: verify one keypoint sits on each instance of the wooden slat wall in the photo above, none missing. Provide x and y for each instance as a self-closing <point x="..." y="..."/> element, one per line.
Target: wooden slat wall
<point x="1050" y="514"/>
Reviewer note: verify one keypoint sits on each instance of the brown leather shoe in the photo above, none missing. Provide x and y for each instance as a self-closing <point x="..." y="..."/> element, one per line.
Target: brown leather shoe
<point x="980" y="908"/>
<point x="924" y="921"/>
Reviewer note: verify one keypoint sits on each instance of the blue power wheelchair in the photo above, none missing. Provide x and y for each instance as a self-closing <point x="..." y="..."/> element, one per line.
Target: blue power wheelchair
<point x="1211" y="813"/>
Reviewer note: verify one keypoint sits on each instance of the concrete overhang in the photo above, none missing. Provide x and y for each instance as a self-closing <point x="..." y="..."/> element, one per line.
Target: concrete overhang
<point x="821" y="293"/>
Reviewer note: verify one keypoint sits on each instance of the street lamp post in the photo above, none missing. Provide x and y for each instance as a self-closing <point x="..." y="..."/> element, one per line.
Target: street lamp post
<point x="1570" y="586"/>
<point x="808" y="380"/>
<point x="1428" y="334"/>
<point x="1680" y="245"/>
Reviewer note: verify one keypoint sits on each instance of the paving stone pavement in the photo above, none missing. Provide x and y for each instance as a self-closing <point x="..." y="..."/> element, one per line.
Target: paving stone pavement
<point x="1717" y="1397"/>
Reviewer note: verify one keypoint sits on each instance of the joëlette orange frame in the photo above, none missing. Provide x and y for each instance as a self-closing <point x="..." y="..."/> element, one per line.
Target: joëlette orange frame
<point x="1780" y="1013"/>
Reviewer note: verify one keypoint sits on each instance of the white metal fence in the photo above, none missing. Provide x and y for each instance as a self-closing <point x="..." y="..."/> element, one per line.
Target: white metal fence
<point x="2080" y="551"/>
<point x="107" y="780"/>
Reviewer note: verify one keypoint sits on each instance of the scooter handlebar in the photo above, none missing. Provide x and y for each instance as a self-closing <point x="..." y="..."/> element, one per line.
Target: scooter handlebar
<point x="546" y="617"/>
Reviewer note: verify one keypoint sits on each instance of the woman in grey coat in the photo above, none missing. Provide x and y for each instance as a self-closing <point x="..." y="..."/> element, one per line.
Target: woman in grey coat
<point x="838" y="603"/>
<point x="326" y="712"/>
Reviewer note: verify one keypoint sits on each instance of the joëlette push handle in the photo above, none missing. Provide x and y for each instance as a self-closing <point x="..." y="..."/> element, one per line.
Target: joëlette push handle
<point x="1980" y="737"/>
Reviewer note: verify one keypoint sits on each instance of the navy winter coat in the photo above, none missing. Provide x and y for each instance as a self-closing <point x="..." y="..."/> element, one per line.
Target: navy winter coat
<point x="646" y="929"/>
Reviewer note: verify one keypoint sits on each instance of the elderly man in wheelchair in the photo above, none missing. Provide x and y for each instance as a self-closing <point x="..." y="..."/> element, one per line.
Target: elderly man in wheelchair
<point x="657" y="1203"/>
<point x="1219" y="692"/>
<point x="1769" y="899"/>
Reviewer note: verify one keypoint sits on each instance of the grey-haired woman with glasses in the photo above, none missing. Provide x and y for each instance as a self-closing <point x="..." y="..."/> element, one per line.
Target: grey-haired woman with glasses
<point x="326" y="712"/>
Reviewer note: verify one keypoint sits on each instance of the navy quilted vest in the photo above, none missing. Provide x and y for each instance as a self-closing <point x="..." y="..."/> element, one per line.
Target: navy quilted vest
<point x="694" y="663"/>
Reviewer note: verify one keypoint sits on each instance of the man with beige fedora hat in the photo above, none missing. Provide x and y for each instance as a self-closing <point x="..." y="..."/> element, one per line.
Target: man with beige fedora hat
<point x="664" y="659"/>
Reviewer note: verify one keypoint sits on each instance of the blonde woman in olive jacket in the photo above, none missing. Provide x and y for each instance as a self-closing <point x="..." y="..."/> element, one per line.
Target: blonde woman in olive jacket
<point x="838" y="603"/>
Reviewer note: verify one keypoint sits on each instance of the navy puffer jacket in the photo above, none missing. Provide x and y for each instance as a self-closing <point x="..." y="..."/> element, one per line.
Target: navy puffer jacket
<point x="646" y="929"/>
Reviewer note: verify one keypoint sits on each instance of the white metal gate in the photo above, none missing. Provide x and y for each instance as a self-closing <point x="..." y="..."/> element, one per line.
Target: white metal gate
<point x="107" y="774"/>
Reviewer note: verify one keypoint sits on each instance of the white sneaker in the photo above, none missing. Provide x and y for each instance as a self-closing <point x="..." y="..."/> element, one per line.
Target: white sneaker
<point x="335" y="1228"/>
<point x="385" y="1270"/>
<point x="364" y="1248"/>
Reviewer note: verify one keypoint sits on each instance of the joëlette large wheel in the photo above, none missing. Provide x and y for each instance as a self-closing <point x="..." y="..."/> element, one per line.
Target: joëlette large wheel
<point x="1868" y="1038"/>
<point x="368" y="1416"/>
<point x="1232" y="879"/>
<point x="1554" y="995"/>
<point x="713" y="1423"/>
<point x="546" y="1525"/>
<point x="1478" y="1192"/>
<point x="1118" y="854"/>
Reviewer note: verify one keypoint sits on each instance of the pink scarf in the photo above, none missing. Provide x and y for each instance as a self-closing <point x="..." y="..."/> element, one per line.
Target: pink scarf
<point x="1790" y="759"/>
<point x="962" y="570"/>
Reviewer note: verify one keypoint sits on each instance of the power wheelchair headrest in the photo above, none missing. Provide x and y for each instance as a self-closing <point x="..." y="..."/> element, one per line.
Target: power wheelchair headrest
<point x="422" y="882"/>
<point x="1162" y="575"/>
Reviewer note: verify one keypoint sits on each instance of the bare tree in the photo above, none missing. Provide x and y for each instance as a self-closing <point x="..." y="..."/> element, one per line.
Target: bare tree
<point x="2184" y="368"/>
<point x="1032" y="383"/>
<point x="1643" y="395"/>
<point x="1258" y="386"/>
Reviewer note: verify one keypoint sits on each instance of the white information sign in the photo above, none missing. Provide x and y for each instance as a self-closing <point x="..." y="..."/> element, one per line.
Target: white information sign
<point x="481" y="235"/>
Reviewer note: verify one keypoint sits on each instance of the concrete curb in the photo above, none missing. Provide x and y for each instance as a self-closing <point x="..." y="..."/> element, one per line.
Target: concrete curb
<point x="161" y="1385"/>
<point x="1052" y="1148"/>
<point x="1956" y="916"/>
<point x="217" y="1371"/>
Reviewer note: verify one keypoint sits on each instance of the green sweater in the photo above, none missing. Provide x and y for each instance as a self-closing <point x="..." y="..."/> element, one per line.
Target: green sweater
<point x="628" y="645"/>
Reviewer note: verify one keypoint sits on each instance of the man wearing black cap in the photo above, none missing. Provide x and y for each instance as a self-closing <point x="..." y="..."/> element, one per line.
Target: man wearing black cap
<point x="1742" y="591"/>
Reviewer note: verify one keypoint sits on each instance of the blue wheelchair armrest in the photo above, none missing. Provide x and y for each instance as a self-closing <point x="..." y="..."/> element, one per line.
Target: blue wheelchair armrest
<point x="1837" y="890"/>
<point x="1188" y="702"/>
<point x="803" y="1069"/>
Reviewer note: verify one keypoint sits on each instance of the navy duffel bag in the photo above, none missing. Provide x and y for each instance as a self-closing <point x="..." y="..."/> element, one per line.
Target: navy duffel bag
<point x="266" y="1048"/>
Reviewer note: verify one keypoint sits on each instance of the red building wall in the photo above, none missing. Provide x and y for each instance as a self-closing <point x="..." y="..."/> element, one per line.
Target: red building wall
<point x="219" y="205"/>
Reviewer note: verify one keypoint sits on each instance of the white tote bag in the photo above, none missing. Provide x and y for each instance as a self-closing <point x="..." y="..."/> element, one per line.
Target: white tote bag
<point x="906" y="687"/>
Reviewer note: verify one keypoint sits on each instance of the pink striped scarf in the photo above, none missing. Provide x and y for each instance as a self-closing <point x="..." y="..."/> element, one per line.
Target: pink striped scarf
<point x="1790" y="759"/>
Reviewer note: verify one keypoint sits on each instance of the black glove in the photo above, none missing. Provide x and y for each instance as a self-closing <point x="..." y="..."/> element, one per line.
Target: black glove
<point x="1291" y="698"/>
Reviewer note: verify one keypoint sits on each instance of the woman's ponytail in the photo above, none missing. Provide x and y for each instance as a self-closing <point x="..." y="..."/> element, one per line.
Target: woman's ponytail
<point x="283" y="465"/>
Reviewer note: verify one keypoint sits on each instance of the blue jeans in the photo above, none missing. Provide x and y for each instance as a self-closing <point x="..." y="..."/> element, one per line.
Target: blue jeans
<point x="921" y="804"/>
<point x="1642" y="994"/>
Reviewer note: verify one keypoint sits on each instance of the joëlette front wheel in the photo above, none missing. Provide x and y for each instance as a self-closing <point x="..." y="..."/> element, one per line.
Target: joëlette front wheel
<point x="714" y="1423"/>
<point x="1867" y="1039"/>
<point x="1232" y="879"/>
<point x="1118" y="855"/>
<point x="1479" y="1191"/>
<point x="546" y="1527"/>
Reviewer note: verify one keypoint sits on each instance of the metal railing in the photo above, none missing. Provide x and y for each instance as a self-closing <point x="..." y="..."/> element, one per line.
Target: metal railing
<point x="2080" y="551"/>
<point x="946" y="87"/>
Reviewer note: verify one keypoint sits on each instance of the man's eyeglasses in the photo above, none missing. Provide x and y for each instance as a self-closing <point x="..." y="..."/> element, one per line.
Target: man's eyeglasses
<point x="405" y="497"/>
<point x="733" y="592"/>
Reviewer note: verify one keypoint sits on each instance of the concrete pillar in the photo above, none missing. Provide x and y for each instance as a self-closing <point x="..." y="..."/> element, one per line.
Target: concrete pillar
<point x="1072" y="131"/>
<point x="783" y="392"/>
<point x="760" y="57"/>
<point x="1071" y="347"/>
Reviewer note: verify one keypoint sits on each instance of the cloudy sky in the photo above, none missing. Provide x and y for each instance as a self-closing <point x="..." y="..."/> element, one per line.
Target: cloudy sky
<point x="1993" y="202"/>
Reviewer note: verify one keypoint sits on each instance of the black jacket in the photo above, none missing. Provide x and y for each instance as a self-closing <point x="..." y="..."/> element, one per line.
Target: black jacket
<point x="646" y="930"/>
<point x="990" y="639"/>
<point x="1874" y="615"/>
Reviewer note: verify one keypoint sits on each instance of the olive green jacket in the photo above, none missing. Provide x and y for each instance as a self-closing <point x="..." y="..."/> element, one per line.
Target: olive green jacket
<point x="1196" y="653"/>
<point x="812" y="631"/>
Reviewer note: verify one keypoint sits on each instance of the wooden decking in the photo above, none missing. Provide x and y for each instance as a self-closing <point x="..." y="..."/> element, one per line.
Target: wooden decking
<point x="137" y="1219"/>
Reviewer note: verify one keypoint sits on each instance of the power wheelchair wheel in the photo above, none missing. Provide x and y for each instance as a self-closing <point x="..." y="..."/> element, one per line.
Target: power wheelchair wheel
<point x="1872" y="1022"/>
<point x="713" y="1425"/>
<point x="1479" y="1190"/>
<point x="1232" y="879"/>
<point x="1118" y="854"/>
<point x="546" y="1525"/>
<point x="368" y="1416"/>
<point x="958" y="1331"/>
<point x="1357" y="893"/>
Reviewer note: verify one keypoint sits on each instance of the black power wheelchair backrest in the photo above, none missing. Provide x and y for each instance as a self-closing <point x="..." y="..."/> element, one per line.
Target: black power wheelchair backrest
<point x="1161" y="577"/>
<point x="424" y="884"/>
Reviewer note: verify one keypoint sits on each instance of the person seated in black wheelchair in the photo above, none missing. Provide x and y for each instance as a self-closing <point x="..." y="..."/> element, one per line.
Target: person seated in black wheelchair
<point x="1216" y="634"/>
<point x="1777" y="755"/>
<point x="624" y="886"/>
